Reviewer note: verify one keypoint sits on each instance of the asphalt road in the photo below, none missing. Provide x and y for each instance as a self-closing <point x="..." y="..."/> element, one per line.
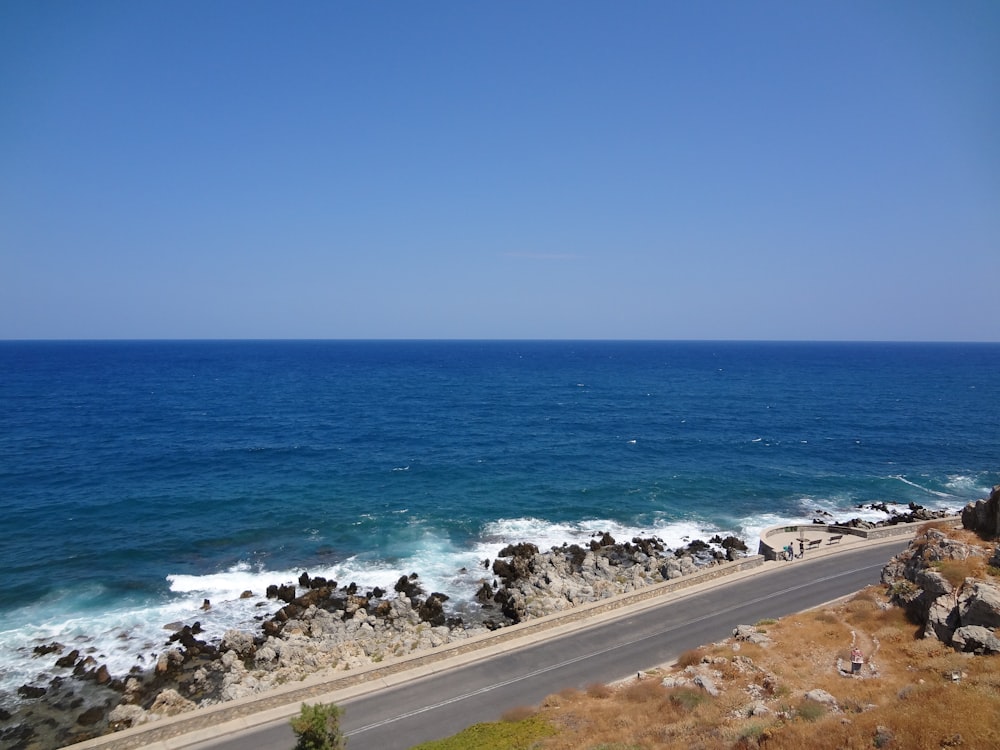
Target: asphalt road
<point x="445" y="703"/>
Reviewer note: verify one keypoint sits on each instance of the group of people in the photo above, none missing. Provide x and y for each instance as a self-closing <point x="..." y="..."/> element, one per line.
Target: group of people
<point x="788" y="551"/>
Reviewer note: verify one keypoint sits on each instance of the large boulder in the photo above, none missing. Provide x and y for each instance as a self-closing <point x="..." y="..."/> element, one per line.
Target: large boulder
<point x="432" y="610"/>
<point x="170" y="703"/>
<point x="125" y="715"/>
<point x="976" y="639"/>
<point x="979" y="604"/>
<point x="983" y="516"/>
<point x="239" y="642"/>
<point x="941" y="618"/>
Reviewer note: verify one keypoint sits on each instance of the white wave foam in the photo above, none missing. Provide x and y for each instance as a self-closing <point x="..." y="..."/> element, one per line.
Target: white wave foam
<point x="547" y="535"/>
<point x="968" y="486"/>
<point x="229" y="584"/>
<point x="929" y="491"/>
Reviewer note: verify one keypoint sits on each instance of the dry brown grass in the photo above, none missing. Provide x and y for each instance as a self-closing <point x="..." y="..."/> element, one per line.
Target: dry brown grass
<point x="912" y="694"/>
<point x="956" y="571"/>
<point x="688" y="658"/>
<point x="520" y="713"/>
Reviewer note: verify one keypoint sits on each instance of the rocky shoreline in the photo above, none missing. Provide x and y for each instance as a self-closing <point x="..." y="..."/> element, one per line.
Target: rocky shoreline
<point x="321" y="626"/>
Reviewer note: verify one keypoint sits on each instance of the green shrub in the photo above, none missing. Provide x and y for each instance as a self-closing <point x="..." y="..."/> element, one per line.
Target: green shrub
<point x="811" y="710"/>
<point x="318" y="727"/>
<point x="687" y="698"/>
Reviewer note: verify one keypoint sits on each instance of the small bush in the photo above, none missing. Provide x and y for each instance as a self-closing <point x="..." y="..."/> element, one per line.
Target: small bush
<point x="689" y="658"/>
<point x="688" y="699"/>
<point x="318" y="727"/>
<point x="811" y="710"/>
<point x="519" y="713"/>
<point x="644" y="691"/>
<point x="953" y="571"/>
<point x="599" y="690"/>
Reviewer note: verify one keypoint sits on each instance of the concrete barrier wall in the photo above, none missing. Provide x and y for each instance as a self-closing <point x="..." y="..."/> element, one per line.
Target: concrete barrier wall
<point x="767" y="548"/>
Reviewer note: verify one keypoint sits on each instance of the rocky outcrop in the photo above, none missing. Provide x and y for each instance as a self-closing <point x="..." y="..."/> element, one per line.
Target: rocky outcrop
<point x="983" y="516"/>
<point x="914" y="513"/>
<point x="533" y="583"/>
<point x="976" y="639"/>
<point x="945" y="605"/>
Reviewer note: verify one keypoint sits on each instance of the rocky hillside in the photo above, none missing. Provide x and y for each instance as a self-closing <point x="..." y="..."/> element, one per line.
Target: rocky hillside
<point x="944" y="580"/>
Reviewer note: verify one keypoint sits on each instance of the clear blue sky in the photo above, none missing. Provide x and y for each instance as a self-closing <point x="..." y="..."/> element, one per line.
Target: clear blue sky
<point x="663" y="170"/>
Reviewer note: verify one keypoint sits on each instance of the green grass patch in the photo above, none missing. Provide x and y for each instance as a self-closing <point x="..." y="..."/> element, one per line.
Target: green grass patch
<point x="687" y="698"/>
<point x="497" y="735"/>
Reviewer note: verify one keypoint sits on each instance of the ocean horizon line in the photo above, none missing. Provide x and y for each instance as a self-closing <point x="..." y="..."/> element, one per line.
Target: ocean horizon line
<point x="499" y="340"/>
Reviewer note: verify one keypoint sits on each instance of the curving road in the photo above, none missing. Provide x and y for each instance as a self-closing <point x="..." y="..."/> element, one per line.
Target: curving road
<point x="609" y="649"/>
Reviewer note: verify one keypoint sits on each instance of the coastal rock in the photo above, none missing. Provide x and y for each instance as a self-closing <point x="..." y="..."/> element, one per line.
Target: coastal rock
<point x="50" y="648"/>
<point x="408" y="586"/>
<point x="284" y="592"/>
<point x="69" y="661"/>
<point x="170" y="703"/>
<point x="337" y="629"/>
<point x="169" y="660"/>
<point x="91" y="716"/>
<point x="432" y="610"/>
<point x="31" y="691"/>
<point x="125" y="716"/>
<point x="983" y="516"/>
<point x="239" y="642"/>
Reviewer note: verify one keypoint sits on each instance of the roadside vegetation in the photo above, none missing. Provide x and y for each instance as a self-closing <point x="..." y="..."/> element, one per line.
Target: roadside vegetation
<point x="317" y="727"/>
<point x="793" y="688"/>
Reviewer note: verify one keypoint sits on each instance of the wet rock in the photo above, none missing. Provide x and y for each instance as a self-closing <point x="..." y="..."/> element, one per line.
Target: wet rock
<point x="91" y="716"/>
<point x="485" y="593"/>
<point x="69" y="661"/>
<point x="50" y="648"/>
<point x="432" y="610"/>
<point x="284" y="592"/>
<point x="31" y="691"/>
<point x="408" y="586"/>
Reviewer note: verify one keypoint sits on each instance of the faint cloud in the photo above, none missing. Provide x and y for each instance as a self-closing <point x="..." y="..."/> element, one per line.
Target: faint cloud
<point x="543" y="256"/>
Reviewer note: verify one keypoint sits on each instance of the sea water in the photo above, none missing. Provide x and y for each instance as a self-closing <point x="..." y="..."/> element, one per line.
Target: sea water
<point x="138" y="479"/>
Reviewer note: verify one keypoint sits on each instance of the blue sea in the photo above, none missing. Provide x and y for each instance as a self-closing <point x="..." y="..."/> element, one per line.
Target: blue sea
<point x="139" y="478"/>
